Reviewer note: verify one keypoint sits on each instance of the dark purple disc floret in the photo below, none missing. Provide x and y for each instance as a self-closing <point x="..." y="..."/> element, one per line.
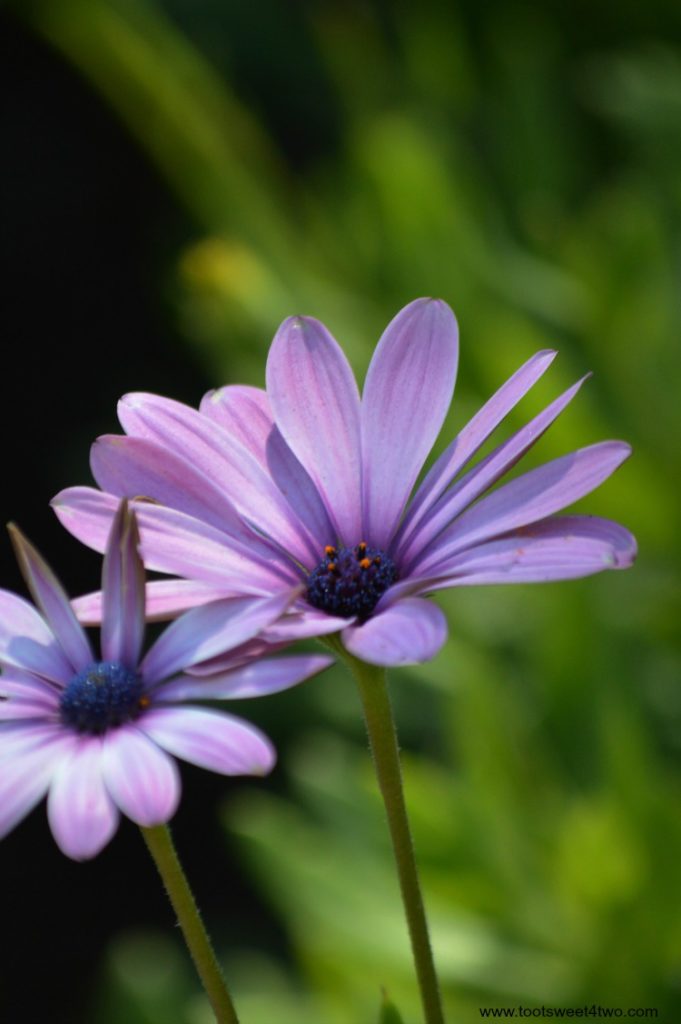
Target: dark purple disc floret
<point x="350" y="581"/>
<point x="102" y="696"/>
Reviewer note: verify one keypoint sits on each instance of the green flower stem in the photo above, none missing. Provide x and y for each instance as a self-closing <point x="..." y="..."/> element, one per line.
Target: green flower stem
<point x="161" y="847"/>
<point x="373" y="689"/>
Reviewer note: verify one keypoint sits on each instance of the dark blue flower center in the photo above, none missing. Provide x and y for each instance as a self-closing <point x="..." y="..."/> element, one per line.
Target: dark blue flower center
<point x="102" y="696"/>
<point x="350" y="581"/>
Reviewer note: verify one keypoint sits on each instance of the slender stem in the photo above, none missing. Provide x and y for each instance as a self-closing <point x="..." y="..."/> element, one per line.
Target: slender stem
<point x="162" y="849"/>
<point x="380" y="723"/>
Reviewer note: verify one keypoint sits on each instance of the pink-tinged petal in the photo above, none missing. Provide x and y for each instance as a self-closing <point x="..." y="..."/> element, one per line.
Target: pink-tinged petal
<point x="214" y="629"/>
<point x="87" y="514"/>
<point x="406" y="633"/>
<point x="176" y="543"/>
<point x="140" y="777"/>
<point x="82" y="815"/>
<point x="528" y="498"/>
<point x="53" y="602"/>
<point x="25" y="778"/>
<point x="469" y="441"/>
<point x="210" y="739"/>
<point x="28" y="643"/>
<point x="244" y="412"/>
<point x="220" y="458"/>
<point x="315" y="401"/>
<point x="407" y="393"/>
<point x="123" y="592"/>
<point x="133" y="467"/>
<point x="560" y="548"/>
<point x="481" y="478"/>
<point x="165" y="599"/>
<point x="259" y="678"/>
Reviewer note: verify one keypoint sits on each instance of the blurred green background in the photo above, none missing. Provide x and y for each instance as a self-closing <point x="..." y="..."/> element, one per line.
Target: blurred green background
<point x="523" y="161"/>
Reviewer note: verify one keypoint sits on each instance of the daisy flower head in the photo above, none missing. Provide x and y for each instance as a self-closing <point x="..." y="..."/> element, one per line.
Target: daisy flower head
<point x="308" y="484"/>
<point x="99" y="735"/>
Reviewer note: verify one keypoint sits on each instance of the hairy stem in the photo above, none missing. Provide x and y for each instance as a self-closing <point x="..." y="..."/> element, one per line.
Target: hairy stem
<point x="161" y="847"/>
<point x="373" y="689"/>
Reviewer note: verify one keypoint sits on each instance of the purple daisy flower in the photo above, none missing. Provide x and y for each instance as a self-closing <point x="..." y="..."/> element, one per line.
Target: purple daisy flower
<point x="308" y="484"/>
<point x="96" y="735"/>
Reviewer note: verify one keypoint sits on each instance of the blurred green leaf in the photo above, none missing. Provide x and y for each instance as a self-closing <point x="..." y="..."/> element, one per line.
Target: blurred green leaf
<point x="389" y="1013"/>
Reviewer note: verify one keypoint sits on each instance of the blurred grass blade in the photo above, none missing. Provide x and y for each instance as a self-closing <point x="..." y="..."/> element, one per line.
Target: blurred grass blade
<point x="210" y="149"/>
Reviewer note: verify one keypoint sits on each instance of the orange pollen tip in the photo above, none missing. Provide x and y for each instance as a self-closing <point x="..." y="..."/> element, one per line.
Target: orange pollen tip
<point x="377" y="560"/>
<point x="362" y="546"/>
<point x="143" y="702"/>
<point x="365" y="563"/>
<point x="329" y="551"/>
<point x="332" y="567"/>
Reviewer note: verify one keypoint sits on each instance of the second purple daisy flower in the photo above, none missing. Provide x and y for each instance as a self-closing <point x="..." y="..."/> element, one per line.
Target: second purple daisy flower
<point x="98" y="734"/>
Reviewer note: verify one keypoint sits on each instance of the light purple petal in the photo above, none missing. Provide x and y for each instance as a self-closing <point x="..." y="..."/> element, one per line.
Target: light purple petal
<point x="175" y="543"/>
<point x="267" y="675"/>
<point x="406" y="396"/>
<point x="244" y="412"/>
<point x="214" y="629"/>
<point x="210" y="739"/>
<point x="26" y="696"/>
<point x="560" y="548"/>
<point x="220" y="458"/>
<point x="133" y="467"/>
<point x="123" y="592"/>
<point x="301" y="623"/>
<point x="25" y="777"/>
<point x="165" y="599"/>
<point x="238" y="656"/>
<point x="25" y="686"/>
<point x="481" y="478"/>
<point x="49" y="595"/>
<point x="19" y="738"/>
<point x="140" y="777"/>
<point x="28" y="643"/>
<point x="297" y="486"/>
<point x="470" y="439"/>
<point x="529" y="498"/>
<point x="409" y="587"/>
<point x="13" y="709"/>
<point x="408" y="632"/>
<point x="82" y="815"/>
<point x="315" y="401"/>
